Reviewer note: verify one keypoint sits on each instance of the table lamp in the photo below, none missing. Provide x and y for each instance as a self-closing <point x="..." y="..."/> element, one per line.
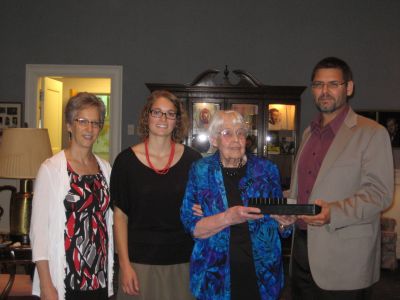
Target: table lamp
<point x="22" y="150"/>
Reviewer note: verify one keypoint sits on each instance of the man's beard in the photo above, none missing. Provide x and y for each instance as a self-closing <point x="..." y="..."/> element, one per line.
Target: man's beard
<point x="330" y="109"/>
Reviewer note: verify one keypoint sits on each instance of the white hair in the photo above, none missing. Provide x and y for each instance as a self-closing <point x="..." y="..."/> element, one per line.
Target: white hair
<point x="217" y="121"/>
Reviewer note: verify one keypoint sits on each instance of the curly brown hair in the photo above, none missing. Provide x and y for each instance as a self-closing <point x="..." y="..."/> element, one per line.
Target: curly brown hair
<point x="182" y="122"/>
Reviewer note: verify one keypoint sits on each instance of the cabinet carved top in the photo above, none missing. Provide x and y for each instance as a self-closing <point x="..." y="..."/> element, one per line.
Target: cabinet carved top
<point x="216" y="81"/>
<point x="210" y="78"/>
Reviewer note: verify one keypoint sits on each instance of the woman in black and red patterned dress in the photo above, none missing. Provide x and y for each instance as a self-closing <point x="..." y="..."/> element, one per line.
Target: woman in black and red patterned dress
<point x="71" y="227"/>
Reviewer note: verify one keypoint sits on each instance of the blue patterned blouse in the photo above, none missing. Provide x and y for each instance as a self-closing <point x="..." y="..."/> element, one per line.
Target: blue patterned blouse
<point x="209" y="264"/>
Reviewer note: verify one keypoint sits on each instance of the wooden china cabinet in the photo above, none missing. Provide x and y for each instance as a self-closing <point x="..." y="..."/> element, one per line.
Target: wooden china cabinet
<point x="271" y="112"/>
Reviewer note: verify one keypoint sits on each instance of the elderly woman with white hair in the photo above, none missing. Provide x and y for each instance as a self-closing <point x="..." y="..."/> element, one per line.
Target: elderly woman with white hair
<point x="237" y="252"/>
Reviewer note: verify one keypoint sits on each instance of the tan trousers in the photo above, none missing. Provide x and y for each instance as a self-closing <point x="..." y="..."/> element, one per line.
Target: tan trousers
<point x="160" y="282"/>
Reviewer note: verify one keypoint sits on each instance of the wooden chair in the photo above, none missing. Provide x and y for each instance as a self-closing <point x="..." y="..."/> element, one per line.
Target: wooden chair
<point x="16" y="285"/>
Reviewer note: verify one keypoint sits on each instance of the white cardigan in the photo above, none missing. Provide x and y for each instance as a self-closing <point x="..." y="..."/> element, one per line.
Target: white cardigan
<point x="48" y="221"/>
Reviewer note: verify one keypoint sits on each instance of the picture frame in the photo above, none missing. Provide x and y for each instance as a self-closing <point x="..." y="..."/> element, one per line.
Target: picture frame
<point x="287" y="145"/>
<point x="249" y="112"/>
<point x="273" y="145"/>
<point x="202" y="114"/>
<point x="390" y="119"/>
<point x="10" y="115"/>
<point x="281" y="117"/>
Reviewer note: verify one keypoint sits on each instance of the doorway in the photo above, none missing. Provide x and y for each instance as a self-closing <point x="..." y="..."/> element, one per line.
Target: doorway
<point x="79" y="74"/>
<point x="54" y="95"/>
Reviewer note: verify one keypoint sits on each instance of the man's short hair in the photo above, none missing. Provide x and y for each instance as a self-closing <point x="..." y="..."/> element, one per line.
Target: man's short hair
<point x="334" y="63"/>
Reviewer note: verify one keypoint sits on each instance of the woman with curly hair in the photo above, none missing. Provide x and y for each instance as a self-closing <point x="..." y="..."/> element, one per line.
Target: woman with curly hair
<point x="147" y="185"/>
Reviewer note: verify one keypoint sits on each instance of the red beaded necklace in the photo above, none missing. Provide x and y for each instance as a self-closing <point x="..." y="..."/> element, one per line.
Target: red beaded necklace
<point x="167" y="166"/>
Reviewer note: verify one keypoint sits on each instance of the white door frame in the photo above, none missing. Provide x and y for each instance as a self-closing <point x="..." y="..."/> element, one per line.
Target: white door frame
<point x="34" y="72"/>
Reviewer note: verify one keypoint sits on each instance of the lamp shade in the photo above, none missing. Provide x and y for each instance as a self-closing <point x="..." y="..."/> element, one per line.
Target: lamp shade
<point x="22" y="151"/>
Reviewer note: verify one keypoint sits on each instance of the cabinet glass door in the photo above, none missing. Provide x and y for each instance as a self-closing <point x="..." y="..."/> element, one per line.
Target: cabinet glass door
<point x="280" y="139"/>
<point x="250" y="116"/>
<point x="202" y="113"/>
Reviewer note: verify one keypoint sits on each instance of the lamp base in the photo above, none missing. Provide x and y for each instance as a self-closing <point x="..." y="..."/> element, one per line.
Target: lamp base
<point x="20" y="213"/>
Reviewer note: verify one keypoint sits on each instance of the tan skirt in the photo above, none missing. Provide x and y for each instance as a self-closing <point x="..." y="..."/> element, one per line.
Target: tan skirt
<point x="160" y="282"/>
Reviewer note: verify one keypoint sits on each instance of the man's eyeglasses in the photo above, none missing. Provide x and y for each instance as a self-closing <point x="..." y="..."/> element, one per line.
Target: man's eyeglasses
<point x="241" y="133"/>
<point x="332" y="85"/>
<point x="85" y="123"/>
<point x="156" y="113"/>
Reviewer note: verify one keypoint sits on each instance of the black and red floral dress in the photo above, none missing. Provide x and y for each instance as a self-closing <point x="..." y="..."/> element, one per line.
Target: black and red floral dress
<point x="85" y="235"/>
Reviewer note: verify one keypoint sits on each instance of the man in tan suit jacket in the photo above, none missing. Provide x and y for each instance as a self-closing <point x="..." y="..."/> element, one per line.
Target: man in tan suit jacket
<point x="345" y="165"/>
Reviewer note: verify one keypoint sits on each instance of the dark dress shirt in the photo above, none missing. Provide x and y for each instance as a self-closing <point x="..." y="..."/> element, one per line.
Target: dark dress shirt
<point x="314" y="153"/>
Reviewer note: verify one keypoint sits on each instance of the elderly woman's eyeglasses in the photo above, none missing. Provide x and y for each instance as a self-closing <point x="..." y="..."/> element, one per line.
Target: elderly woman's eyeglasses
<point x="332" y="85"/>
<point x="241" y="133"/>
<point x="85" y="123"/>
<point x="156" y="113"/>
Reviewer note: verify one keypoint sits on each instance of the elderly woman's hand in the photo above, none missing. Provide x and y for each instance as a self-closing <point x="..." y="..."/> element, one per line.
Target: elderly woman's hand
<point x="284" y="220"/>
<point x="197" y="211"/>
<point x="240" y="214"/>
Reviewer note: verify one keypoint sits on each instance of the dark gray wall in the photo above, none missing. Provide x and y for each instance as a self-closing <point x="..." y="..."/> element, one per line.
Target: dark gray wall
<point x="173" y="41"/>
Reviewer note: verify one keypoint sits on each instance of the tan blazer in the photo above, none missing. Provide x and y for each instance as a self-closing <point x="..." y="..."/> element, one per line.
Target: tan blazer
<point x="357" y="177"/>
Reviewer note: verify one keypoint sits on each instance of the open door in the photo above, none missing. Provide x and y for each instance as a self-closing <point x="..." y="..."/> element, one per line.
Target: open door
<point x="35" y="72"/>
<point x="51" y="111"/>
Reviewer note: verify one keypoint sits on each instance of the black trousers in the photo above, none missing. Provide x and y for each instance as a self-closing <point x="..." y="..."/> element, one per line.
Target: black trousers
<point x="100" y="294"/>
<point x="303" y="286"/>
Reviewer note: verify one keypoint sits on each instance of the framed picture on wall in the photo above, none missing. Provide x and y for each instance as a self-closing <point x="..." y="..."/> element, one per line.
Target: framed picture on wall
<point x="202" y="114"/>
<point x="10" y="115"/>
<point x="389" y="119"/>
<point x="281" y="117"/>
